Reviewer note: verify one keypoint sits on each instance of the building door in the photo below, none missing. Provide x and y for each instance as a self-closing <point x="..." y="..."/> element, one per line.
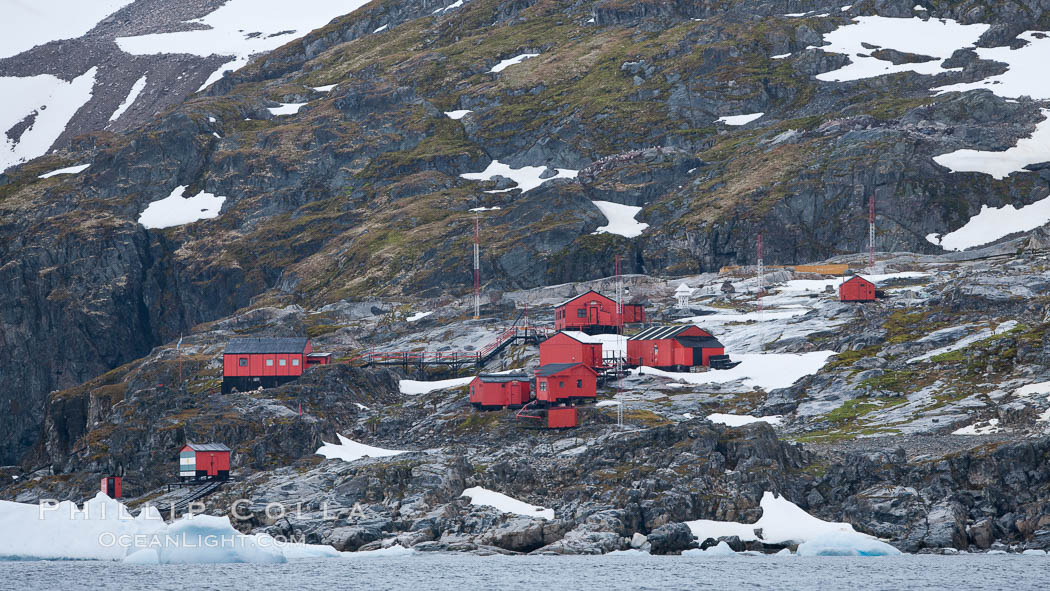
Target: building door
<point x="592" y="313"/>
<point x="698" y="356"/>
<point x="211" y="465"/>
<point x="515" y="392"/>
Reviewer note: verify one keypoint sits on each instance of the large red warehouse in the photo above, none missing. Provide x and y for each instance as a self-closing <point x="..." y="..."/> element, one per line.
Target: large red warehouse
<point x="492" y="391"/>
<point x="674" y="347"/>
<point x="566" y="382"/>
<point x="857" y="289"/>
<point x="593" y="313"/>
<point x="204" y="461"/>
<point x="251" y="363"/>
<point x="571" y="347"/>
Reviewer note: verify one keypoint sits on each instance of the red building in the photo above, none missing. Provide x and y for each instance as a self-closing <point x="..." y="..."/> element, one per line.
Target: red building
<point x="493" y="391"/>
<point x="111" y="486"/>
<point x="571" y="347"/>
<point x="251" y="363"/>
<point x="594" y="313"/>
<point x="857" y="289"/>
<point x="674" y="347"/>
<point x="204" y="461"/>
<point x="562" y="418"/>
<point x="558" y="383"/>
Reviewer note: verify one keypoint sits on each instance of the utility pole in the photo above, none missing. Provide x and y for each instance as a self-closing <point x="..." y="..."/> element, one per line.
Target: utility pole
<point x="761" y="272"/>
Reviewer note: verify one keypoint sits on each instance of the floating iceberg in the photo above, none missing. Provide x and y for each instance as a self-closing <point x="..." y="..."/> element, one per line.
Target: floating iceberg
<point x="845" y="544"/>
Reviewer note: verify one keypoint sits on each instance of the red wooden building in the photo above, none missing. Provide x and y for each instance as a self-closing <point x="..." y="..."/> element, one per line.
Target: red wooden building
<point x="494" y="391"/>
<point x="251" y="363"/>
<point x="674" y="347"/>
<point x="558" y="383"/>
<point x="204" y="461"/>
<point x="593" y="313"/>
<point x="111" y="486"/>
<point x="857" y="289"/>
<point x="571" y="347"/>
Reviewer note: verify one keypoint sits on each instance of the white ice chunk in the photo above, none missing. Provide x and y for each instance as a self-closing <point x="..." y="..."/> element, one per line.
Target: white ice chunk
<point x="741" y="420"/>
<point x="845" y="544"/>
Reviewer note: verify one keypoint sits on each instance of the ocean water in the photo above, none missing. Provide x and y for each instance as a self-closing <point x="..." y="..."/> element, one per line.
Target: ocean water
<point x="433" y="572"/>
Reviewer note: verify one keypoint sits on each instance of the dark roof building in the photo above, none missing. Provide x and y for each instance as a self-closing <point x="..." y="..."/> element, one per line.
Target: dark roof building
<point x="258" y="345"/>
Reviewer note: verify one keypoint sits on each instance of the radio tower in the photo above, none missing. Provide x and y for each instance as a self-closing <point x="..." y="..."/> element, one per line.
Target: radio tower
<point x="871" y="231"/>
<point x="761" y="271"/>
<point x="477" y="268"/>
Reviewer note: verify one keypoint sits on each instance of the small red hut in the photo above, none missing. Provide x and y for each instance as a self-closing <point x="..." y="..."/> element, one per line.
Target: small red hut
<point x="494" y="391"/>
<point x="593" y="313"/>
<point x="566" y="382"/>
<point x="857" y="289"/>
<point x="562" y="418"/>
<point x="204" y="461"/>
<point x="251" y="363"/>
<point x="571" y="347"/>
<point x="674" y="347"/>
<point x="111" y="486"/>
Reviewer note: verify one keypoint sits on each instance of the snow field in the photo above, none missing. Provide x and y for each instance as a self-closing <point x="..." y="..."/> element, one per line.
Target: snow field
<point x="51" y="101"/>
<point x="504" y="64"/>
<point x="28" y="24"/>
<point x="768" y="371"/>
<point x="621" y="219"/>
<point x="737" y="120"/>
<point x="133" y="94"/>
<point x="526" y="178"/>
<point x="69" y="170"/>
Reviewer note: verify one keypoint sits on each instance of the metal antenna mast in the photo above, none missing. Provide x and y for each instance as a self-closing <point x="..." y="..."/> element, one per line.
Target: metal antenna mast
<point x="871" y="231"/>
<point x="761" y="271"/>
<point x="477" y="267"/>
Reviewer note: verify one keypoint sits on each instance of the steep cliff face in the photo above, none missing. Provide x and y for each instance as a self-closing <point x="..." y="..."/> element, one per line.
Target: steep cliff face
<point x="360" y="191"/>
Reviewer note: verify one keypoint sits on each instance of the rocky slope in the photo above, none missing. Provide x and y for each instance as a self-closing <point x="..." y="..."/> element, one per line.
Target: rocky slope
<point x="350" y="206"/>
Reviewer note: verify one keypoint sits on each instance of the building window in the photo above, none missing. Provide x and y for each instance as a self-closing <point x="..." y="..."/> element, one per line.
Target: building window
<point x="243" y="362"/>
<point x="269" y="363"/>
<point x="282" y="362"/>
<point x="581" y="313"/>
<point x="295" y="362"/>
<point x="561" y="384"/>
<point x="543" y="386"/>
<point x="579" y="383"/>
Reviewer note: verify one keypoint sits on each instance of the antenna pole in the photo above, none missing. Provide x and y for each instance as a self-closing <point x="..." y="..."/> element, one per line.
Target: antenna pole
<point x="477" y="267"/>
<point x="761" y="272"/>
<point x="871" y="231"/>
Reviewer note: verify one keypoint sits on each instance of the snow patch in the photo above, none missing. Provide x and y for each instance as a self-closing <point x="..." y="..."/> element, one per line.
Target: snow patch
<point x="503" y="65"/>
<point x="482" y="496"/>
<point x="327" y="88"/>
<point x="768" y="371"/>
<point x="136" y="88"/>
<point x="70" y="170"/>
<point x="242" y="28"/>
<point x="1026" y="391"/>
<point x="51" y="101"/>
<point x="782" y="56"/>
<point x="937" y="38"/>
<point x="174" y="210"/>
<point x="621" y="219"/>
<point x="381" y="29"/>
<point x="741" y="420"/>
<point x="418" y="387"/>
<point x="990" y="428"/>
<point x="458" y="114"/>
<point x="527" y="178"/>
<point x="286" y="108"/>
<point x="740" y="119"/>
<point x="999" y="165"/>
<point x="349" y="450"/>
<point x="418" y="316"/>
